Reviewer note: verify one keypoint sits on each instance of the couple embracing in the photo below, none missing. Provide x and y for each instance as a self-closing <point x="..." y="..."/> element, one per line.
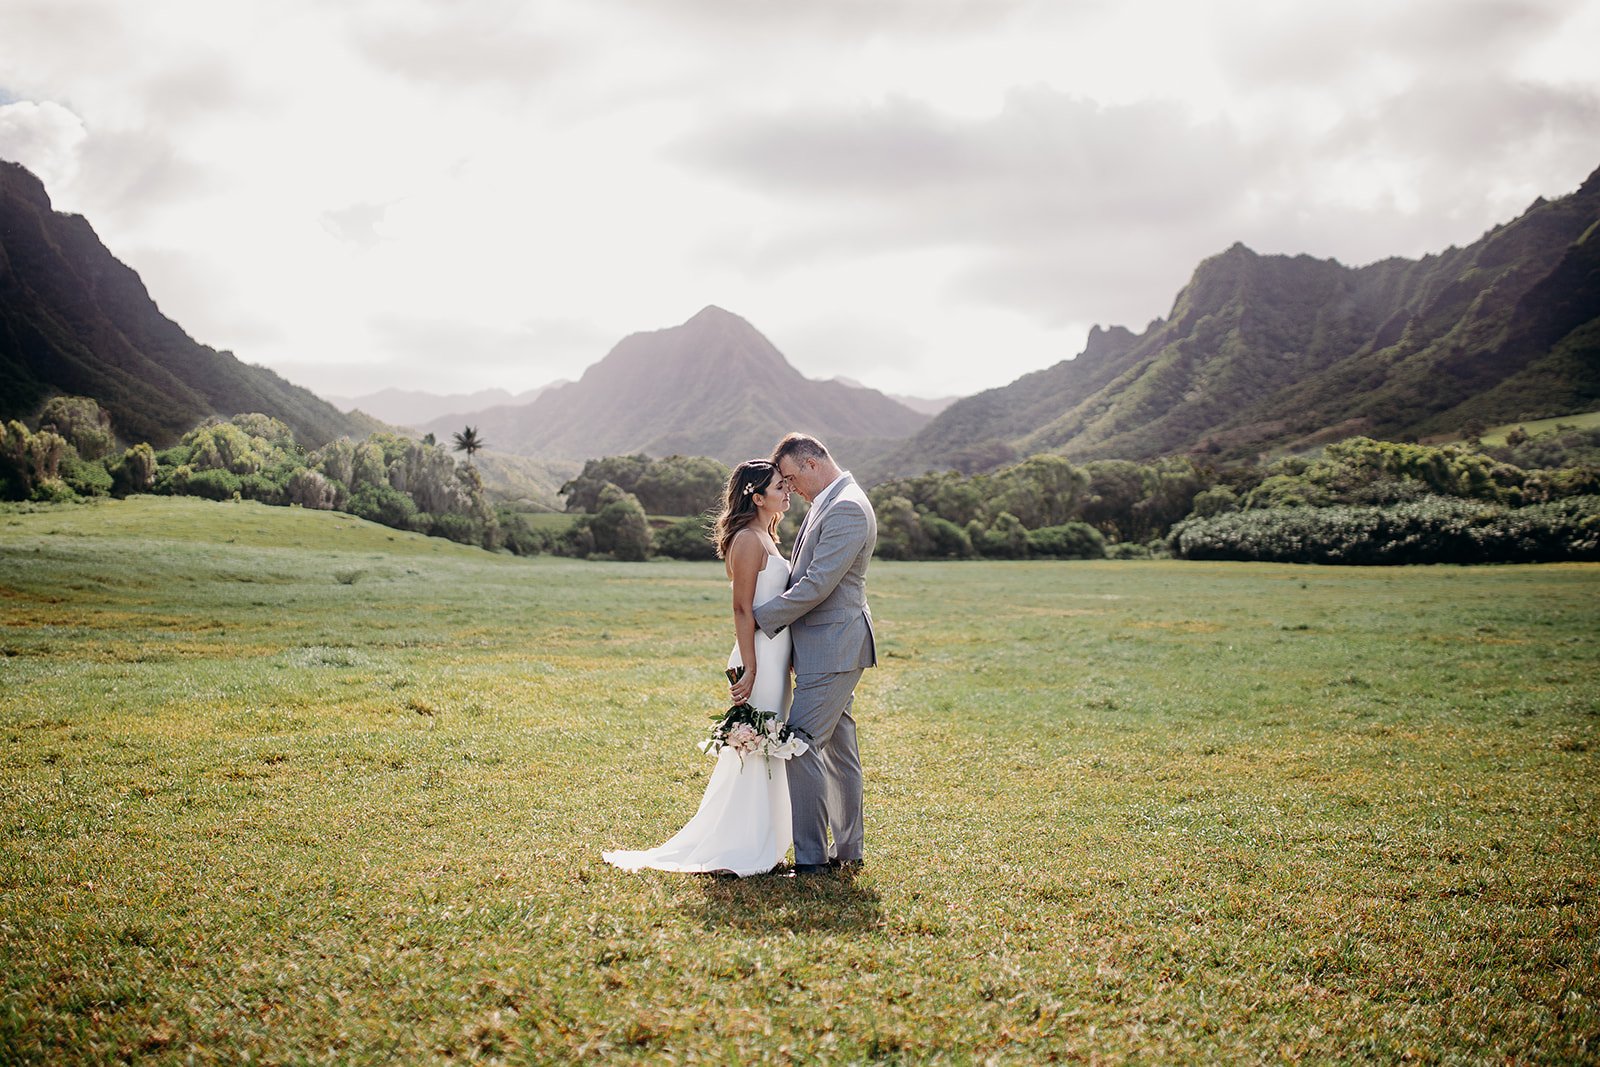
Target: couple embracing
<point x="808" y="613"/>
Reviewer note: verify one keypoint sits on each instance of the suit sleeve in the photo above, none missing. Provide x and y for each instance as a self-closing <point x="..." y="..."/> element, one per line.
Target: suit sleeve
<point x="839" y="541"/>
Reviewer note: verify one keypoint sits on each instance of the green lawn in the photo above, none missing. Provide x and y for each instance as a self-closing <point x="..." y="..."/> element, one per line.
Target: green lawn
<point x="287" y="784"/>
<point x="550" y="521"/>
<point x="1496" y="435"/>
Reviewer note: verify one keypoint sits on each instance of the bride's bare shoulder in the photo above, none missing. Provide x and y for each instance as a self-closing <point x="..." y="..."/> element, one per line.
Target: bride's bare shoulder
<point x="746" y="552"/>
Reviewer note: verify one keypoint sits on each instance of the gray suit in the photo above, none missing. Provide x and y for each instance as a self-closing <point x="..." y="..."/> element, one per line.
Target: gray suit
<point x="831" y="627"/>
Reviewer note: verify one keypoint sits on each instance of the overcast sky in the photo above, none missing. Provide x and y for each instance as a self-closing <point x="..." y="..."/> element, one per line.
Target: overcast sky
<point x="930" y="196"/>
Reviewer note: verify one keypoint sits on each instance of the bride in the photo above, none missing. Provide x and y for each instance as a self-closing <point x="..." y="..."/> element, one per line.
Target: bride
<point x="743" y="825"/>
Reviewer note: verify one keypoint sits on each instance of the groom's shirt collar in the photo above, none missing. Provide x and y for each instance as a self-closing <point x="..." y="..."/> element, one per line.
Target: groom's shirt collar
<point x="829" y="489"/>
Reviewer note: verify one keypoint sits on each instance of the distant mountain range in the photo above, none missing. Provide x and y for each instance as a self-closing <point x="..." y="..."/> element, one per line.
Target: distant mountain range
<point x="1258" y="353"/>
<point x="713" y="386"/>
<point x="928" y="405"/>
<point x="411" y="407"/>
<point x="74" y="319"/>
<point x="1263" y="352"/>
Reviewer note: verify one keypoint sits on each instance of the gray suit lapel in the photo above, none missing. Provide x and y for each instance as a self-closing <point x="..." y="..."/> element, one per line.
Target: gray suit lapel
<point x="814" y="516"/>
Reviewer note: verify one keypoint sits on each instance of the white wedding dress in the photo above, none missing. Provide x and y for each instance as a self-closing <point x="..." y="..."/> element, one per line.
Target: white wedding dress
<point x="743" y="825"/>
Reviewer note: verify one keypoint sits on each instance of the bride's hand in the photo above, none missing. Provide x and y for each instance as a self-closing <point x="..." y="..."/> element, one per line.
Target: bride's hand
<point x="740" y="691"/>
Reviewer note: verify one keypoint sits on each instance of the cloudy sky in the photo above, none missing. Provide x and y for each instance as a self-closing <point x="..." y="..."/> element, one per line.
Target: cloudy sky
<point x="930" y="196"/>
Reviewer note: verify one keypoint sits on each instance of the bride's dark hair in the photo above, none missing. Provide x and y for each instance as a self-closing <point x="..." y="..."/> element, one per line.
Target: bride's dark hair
<point x="738" y="502"/>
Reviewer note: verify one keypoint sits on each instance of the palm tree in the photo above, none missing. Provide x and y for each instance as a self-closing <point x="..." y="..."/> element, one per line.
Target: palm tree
<point x="468" y="441"/>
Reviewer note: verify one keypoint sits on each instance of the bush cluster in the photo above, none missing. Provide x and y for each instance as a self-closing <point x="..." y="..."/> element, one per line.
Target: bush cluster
<point x="1430" y="530"/>
<point x="1359" y="500"/>
<point x="1044" y="507"/>
<point x="676" y="485"/>
<point x="409" y="485"/>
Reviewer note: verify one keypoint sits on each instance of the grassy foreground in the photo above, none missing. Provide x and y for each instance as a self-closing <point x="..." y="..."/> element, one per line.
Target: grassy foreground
<point x="289" y="785"/>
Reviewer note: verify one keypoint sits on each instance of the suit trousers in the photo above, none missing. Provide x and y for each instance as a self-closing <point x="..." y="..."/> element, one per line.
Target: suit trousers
<point x="825" y="789"/>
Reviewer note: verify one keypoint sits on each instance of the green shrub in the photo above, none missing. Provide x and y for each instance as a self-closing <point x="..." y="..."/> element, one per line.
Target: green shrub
<point x="1218" y="500"/>
<point x="135" y="472"/>
<point x="676" y="485"/>
<point x="385" y="505"/>
<point x="52" y="491"/>
<point x="520" y="539"/>
<point x="621" y="529"/>
<point x="84" y="476"/>
<point x="28" y="460"/>
<point x="310" y="489"/>
<point x="82" y="423"/>
<point x="686" y="539"/>
<point x="1434" y="530"/>
<point x="1566" y="446"/>
<point x="1072" y="540"/>
<point x="261" y="486"/>
<point x="1005" y="538"/>
<point x="462" y="529"/>
<point x="576" y="540"/>
<point x="900" y="534"/>
<point x="945" y="540"/>
<point x="213" y="484"/>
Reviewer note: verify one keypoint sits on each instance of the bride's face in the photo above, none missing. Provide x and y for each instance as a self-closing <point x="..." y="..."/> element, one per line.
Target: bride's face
<point x="774" y="500"/>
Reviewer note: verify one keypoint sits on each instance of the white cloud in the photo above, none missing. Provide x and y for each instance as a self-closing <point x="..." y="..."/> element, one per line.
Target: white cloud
<point x="928" y="195"/>
<point x="358" y="223"/>
<point x="423" y="342"/>
<point x="44" y="137"/>
<point x="829" y="20"/>
<point x="484" y="45"/>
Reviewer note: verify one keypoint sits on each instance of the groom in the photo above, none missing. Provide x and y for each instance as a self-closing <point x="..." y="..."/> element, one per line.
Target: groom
<point x="831" y="627"/>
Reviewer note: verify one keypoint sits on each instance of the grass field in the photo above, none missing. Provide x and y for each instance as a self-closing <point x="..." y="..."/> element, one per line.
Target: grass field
<point x="549" y="521"/>
<point x="1496" y="435"/>
<point x="291" y="786"/>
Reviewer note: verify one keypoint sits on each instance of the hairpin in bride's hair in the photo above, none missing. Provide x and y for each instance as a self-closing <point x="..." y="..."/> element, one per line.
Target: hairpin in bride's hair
<point x="749" y="487"/>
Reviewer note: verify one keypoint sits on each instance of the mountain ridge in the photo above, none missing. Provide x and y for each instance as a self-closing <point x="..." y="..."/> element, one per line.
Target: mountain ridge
<point x="1261" y="352"/>
<point x="1257" y="353"/>
<point x="74" y="319"/>
<point x="413" y="407"/>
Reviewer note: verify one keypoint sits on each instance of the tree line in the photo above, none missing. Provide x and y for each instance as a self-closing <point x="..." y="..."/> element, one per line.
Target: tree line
<point x="1357" y="501"/>
<point x="393" y="480"/>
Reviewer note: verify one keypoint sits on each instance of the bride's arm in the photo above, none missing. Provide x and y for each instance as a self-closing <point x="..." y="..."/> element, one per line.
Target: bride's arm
<point x="745" y="558"/>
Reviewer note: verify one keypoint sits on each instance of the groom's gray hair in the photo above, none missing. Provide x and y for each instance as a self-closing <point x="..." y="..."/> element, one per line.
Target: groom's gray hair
<point x="800" y="447"/>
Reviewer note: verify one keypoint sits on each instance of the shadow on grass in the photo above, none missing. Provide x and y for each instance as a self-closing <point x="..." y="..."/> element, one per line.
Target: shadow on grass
<point x="822" y="903"/>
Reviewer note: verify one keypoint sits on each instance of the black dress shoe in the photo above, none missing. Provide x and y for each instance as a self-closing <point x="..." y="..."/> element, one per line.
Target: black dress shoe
<point x="851" y="866"/>
<point x="810" y="868"/>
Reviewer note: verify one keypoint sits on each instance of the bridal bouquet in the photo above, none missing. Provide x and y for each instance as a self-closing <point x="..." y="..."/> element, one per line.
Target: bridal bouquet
<point x="748" y="730"/>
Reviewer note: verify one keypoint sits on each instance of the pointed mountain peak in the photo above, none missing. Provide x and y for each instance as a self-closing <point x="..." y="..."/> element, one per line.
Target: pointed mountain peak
<point x="1107" y="341"/>
<point x="712" y="315"/>
<point x="712" y="325"/>
<point x="711" y="386"/>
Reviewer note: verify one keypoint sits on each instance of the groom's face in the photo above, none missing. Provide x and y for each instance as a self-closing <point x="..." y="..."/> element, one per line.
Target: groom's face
<point x="801" y="476"/>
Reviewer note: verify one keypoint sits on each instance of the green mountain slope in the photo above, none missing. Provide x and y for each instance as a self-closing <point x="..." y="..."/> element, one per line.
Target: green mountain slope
<point x="74" y="319"/>
<point x="1268" y="351"/>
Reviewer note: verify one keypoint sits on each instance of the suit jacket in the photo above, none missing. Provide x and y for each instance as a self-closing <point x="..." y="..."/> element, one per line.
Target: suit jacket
<point x="825" y="606"/>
